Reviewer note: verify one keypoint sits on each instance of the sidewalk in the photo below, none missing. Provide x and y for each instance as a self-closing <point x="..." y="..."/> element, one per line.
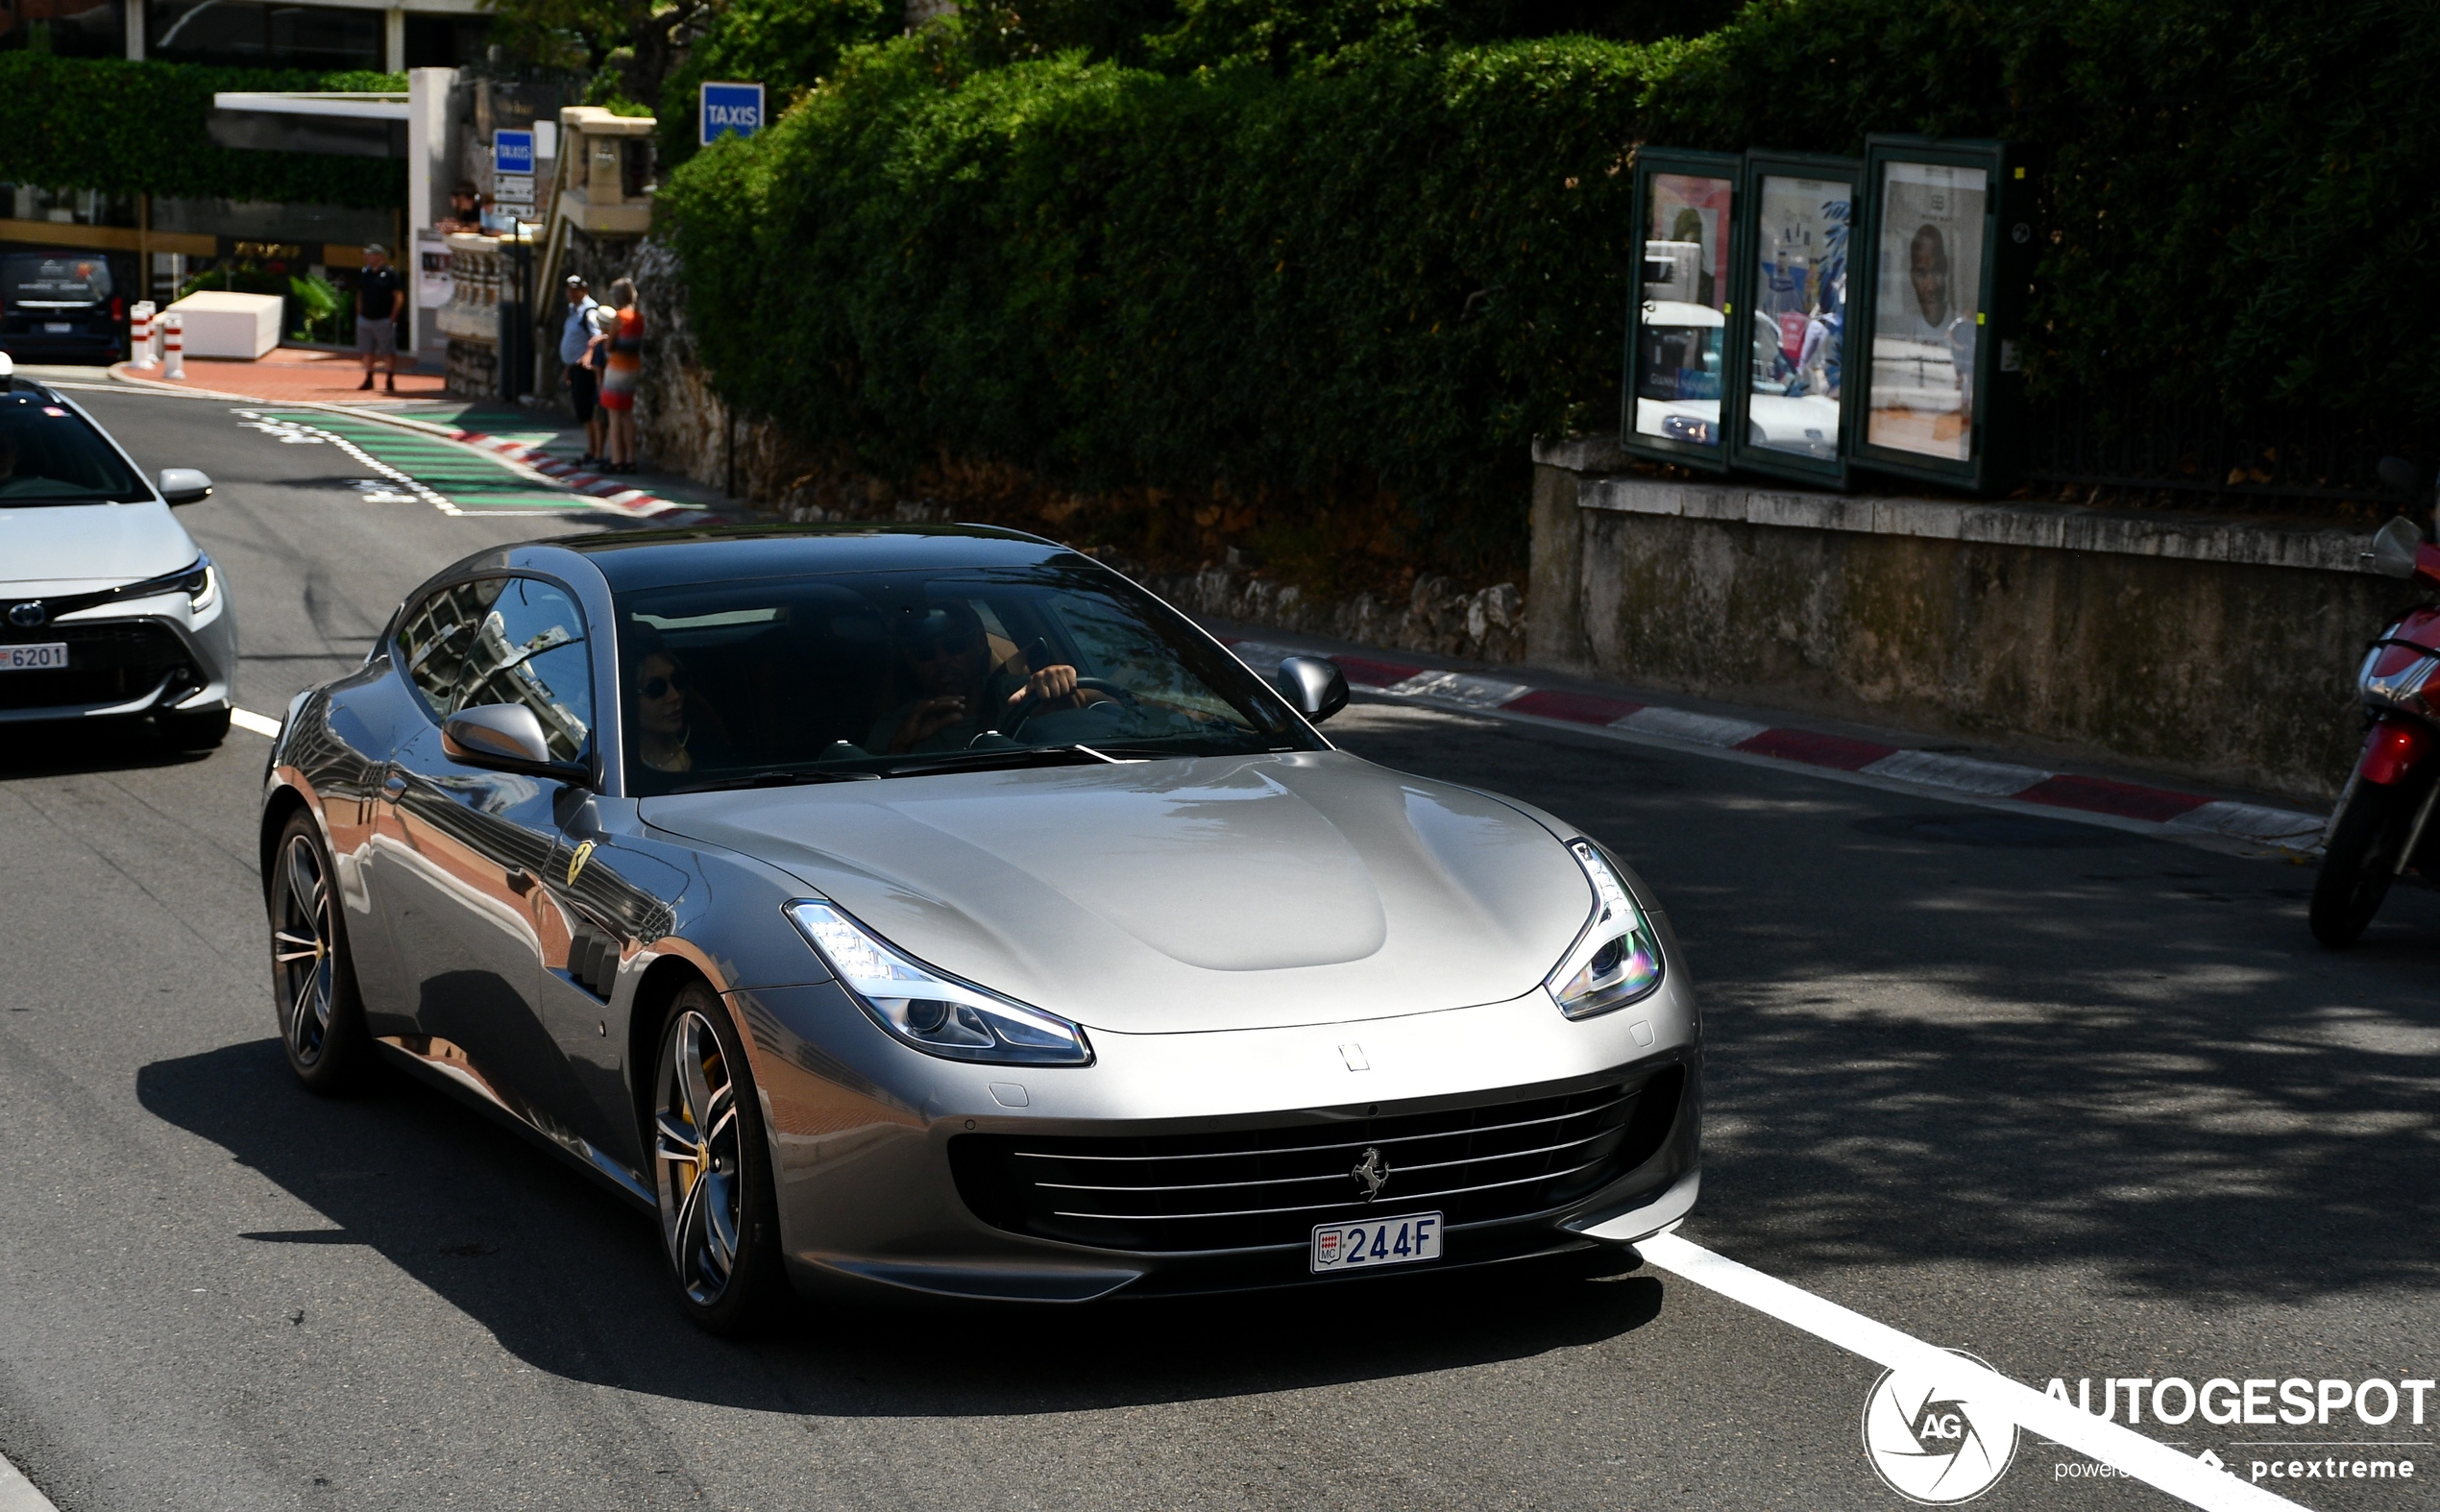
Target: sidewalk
<point x="288" y="375"/>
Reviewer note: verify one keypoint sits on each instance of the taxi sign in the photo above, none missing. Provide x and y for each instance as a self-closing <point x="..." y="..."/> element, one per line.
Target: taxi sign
<point x="728" y="110"/>
<point x="513" y="151"/>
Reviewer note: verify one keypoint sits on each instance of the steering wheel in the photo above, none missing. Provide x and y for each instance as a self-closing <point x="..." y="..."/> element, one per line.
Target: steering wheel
<point x="1032" y="703"/>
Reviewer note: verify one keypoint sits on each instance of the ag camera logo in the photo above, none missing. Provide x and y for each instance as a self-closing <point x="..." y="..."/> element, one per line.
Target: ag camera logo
<point x="1936" y="1438"/>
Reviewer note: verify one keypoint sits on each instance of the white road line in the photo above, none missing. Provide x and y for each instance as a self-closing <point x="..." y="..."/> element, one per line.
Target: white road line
<point x="2113" y="1444"/>
<point x="295" y="433"/>
<point x="17" y="1494"/>
<point x="248" y="720"/>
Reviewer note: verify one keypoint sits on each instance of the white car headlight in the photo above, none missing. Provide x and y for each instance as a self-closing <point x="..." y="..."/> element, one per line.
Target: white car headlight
<point x="1618" y="957"/>
<point x="933" y="1013"/>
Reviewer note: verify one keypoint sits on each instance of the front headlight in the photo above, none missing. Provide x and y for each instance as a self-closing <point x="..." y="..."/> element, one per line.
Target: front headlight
<point x="935" y="1013"/>
<point x="199" y="583"/>
<point x="1616" y="959"/>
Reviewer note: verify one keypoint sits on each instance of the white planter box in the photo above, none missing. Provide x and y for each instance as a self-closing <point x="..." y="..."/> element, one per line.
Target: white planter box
<point x="239" y="326"/>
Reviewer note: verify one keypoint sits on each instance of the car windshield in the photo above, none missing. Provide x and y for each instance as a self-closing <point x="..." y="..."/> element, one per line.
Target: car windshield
<point x="27" y="280"/>
<point x="897" y="673"/>
<point x="50" y="454"/>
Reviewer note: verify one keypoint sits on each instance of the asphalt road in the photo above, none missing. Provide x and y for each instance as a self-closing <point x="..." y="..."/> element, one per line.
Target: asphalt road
<point x="2088" y="1104"/>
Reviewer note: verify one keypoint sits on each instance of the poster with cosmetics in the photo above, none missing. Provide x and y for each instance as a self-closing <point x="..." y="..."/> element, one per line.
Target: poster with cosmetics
<point x="1678" y="367"/>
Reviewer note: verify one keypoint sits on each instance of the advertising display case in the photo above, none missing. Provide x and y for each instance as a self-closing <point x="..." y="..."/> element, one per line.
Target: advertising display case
<point x="1935" y="389"/>
<point x="1677" y="368"/>
<point x="1788" y="375"/>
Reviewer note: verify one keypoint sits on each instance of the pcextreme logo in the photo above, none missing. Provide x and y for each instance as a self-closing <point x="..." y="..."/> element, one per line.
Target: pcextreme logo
<point x="1934" y="1439"/>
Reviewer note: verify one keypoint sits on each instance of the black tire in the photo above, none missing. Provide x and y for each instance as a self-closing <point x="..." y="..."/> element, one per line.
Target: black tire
<point x="712" y="1171"/>
<point x="2360" y="860"/>
<point x="312" y="971"/>
<point x="193" y="732"/>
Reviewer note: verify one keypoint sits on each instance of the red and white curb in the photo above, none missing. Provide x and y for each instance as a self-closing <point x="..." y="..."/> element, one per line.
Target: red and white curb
<point x="622" y="496"/>
<point x="2105" y="801"/>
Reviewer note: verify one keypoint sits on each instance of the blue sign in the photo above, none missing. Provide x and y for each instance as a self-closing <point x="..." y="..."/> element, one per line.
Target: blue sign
<point x="729" y="110"/>
<point x="512" y="152"/>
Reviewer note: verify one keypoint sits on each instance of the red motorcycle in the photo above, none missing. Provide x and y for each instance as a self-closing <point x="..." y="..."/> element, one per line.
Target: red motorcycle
<point x="2384" y="816"/>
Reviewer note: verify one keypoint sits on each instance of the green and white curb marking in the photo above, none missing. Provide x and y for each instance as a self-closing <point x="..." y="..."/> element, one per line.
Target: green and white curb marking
<point x="414" y="467"/>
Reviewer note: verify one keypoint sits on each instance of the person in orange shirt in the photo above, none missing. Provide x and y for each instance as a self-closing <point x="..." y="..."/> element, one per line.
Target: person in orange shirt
<point x="624" y="342"/>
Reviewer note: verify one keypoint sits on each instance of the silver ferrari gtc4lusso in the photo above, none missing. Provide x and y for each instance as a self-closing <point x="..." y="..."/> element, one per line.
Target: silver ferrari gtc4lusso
<point x="933" y="910"/>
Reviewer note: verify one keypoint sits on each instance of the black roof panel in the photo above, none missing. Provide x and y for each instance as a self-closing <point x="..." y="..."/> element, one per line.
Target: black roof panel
<point x="632" y="560"/>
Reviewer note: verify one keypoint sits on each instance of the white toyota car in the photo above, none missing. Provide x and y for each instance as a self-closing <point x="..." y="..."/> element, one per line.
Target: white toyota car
<point x="108" y="608"/>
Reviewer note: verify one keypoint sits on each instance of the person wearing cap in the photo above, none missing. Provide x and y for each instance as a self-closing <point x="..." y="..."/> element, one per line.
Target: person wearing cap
<point x="380" y="296"/>
<point x="576" y="341"/>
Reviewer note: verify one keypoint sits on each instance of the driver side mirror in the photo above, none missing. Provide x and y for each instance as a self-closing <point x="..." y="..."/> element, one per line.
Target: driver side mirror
<point x="1313" y="687"/>
<point x="185" y="486"/>
<point x="507" y="736"/>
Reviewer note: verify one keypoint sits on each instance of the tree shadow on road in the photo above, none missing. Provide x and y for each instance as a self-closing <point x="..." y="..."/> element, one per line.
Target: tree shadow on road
<point x="570" y="1279"/>
<point x="1940" y="1032"/>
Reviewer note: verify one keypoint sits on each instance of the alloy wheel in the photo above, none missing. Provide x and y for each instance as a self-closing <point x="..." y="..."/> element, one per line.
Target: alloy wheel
<point x="695" y="1152"/>
<point x="304" y="951"/>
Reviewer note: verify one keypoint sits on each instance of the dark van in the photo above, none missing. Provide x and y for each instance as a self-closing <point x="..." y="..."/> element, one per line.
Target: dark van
<point x="61" y="306"/>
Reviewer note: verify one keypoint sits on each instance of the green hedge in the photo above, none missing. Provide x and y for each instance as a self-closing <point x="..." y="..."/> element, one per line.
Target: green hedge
<point x="1401" y="272"/>
<point x="131" y="128"/>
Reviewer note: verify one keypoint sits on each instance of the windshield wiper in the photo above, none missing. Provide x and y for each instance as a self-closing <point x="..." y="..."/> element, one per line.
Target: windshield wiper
<point x="1017" y="756"/>
<point x="779" y="778"/>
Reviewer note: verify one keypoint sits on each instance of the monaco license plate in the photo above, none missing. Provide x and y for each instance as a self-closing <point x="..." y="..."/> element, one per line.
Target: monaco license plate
<point x="1376" y="1242"/>
<point x="47" y="657"/>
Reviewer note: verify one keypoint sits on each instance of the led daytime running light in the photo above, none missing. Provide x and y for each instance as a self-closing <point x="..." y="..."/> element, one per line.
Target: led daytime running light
<point x="1616" y="959"/>
<point x="935" y="1013"/>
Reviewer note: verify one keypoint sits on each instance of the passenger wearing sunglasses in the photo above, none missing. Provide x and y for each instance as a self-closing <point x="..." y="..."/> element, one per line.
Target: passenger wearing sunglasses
<point x="963" y="695"/>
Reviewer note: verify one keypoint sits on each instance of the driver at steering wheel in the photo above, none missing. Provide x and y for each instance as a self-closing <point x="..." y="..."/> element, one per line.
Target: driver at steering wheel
<point x="946" y="655"/>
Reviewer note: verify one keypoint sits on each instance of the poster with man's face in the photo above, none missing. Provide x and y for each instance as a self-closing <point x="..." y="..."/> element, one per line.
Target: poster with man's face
<point x="1677" y="377"/>
<point x="1926" y="303"/>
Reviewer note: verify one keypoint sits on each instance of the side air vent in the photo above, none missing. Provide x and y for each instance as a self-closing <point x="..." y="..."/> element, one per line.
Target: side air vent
<point x="593" y="961"/>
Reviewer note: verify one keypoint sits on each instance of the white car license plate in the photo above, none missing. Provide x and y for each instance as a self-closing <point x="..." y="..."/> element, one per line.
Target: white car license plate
<point x="49" y="656"/>
<point x="56" y="328"/>
<point x="1376" y="1242"/>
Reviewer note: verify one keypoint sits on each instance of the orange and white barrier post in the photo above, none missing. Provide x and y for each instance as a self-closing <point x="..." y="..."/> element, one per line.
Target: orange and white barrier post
<point x="174" y="346"/>
<point x="139" y="336"/>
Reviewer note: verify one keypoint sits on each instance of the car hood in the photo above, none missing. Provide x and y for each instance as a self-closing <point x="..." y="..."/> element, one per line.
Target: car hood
<point x="1167" y="896"/>
<point x="76" y="548"/>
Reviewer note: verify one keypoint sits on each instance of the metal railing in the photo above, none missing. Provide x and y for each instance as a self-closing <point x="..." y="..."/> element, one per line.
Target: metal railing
<point x="2117" y="437"/>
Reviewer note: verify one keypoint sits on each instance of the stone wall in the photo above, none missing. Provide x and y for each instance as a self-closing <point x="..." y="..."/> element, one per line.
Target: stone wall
<point x="1438" y="617"/>
<point x="2221" y="650"/>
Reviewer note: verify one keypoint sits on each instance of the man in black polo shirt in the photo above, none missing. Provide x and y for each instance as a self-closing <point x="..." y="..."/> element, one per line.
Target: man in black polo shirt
<point x="380" y="296"/>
